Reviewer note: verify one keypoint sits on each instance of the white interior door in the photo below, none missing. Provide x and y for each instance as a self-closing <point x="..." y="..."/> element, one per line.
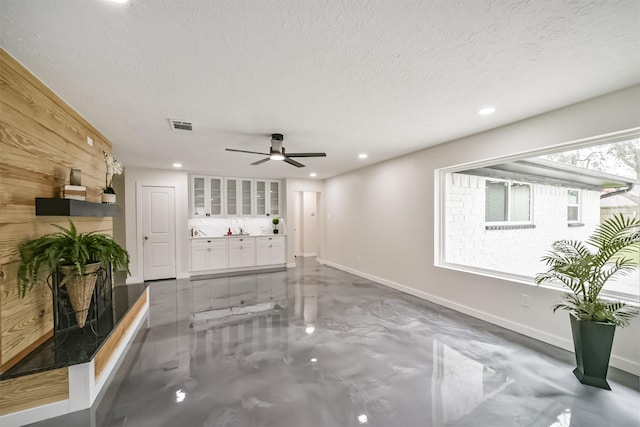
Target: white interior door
<point x="159" y="234"/>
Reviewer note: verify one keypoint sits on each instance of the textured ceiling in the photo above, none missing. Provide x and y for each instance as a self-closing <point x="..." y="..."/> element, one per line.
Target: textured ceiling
<point x="382" y="77"/>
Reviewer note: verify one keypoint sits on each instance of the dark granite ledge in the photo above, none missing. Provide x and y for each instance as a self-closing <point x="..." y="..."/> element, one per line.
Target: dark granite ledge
<point x="79" y="346"/>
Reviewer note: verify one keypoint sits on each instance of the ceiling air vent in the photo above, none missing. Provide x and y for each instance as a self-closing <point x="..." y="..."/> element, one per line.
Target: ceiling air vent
<point x="180" y="125"/>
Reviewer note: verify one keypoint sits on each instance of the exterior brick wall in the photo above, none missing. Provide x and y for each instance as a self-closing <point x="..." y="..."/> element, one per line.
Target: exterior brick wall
<point x="516" y="251"/>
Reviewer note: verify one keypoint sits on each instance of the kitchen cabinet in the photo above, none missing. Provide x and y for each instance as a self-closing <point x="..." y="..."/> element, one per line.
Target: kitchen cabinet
<point x="267" y="197"/>
<point x="270" y="250"/>
<point x="242" y="252"/>
<point x="205" y="196"/>
<point x="239" y="200"/>
<point x="209" y="254"/>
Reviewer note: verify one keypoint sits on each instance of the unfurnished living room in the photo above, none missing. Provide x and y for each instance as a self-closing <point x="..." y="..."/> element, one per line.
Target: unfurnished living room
<point x="325" y="213"/>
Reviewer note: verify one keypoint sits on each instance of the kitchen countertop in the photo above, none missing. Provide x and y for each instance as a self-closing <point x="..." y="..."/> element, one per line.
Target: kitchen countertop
<point x="237" y="235"/>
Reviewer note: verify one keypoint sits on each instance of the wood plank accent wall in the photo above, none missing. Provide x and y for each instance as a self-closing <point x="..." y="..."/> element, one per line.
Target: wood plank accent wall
<point x="29" y="391"/>
<point x="41" y="140"/>
<point x="106" y="352"/>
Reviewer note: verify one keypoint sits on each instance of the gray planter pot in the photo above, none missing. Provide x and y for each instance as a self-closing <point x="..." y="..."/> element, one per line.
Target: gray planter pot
<point x="592" y="342"/>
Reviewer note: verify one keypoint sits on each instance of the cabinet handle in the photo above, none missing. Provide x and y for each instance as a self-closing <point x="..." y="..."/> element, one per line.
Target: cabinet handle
<point x="208" y="241"/>
<point x="270" y="238"/>
<point x="241" y="240"/>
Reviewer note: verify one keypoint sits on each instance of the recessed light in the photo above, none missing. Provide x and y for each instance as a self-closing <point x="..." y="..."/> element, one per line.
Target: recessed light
<point x="177" y="165"/>
<point x="310" y="329"/>
<point x="314" y="360"/>
<point x="362" y="156"/>
<point x="362" y="418"/>
<point x="313" y="175"/>
<point x="119" y="1"/>
<point x="487" y="111"/>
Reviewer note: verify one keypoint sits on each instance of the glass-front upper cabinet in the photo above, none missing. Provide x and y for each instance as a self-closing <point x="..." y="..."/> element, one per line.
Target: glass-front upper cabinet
<point x="267" y="197"/>
<point x="246" y="197"/>
<point x="232" y="196"/>
<point x="216" y="195"/>
<point x="274" y="196"/>
<point x="205" y="196"/>
<point x="261" y="197"/>
<point x="198" y="196"/>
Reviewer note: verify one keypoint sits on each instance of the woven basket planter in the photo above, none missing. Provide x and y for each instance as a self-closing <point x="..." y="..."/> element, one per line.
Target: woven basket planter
<point x="80" y="289"/>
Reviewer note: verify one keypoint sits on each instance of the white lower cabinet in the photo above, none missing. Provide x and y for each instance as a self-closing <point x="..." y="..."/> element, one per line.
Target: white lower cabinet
<point x="223" y="253"/>
<point x="242" y="252"/>
<point x="270" y="250"/>
<point x="209" y="254"/>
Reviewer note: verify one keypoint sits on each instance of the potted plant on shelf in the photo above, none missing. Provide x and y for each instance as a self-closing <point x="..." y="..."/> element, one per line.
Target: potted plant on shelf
<point x="585" y="271"/>
<point x="77" y="257"/>
<point x="113" y="168"/>
<point x="275" y="221"/>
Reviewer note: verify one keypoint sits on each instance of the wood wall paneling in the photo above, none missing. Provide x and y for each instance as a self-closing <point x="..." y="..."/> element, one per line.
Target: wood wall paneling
<point x="29" y="391"/>
<point x="41" y="140"/>
<point x="104" y="354"/>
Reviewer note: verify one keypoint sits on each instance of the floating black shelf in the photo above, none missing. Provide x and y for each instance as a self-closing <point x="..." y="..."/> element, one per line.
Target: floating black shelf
<point x="70" y="207"/>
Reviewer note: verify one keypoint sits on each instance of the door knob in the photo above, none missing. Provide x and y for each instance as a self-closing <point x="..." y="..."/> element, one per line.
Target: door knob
<point x="146" y="238"/>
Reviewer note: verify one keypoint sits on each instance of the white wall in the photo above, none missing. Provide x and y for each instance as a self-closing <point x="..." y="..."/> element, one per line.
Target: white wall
<point x="135" y="178"/>
<point x="383" y="215"/>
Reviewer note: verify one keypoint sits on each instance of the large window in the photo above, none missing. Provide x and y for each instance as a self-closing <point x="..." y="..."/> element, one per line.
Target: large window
<point x="507" y="201"/>
<point x="500" y="217"/>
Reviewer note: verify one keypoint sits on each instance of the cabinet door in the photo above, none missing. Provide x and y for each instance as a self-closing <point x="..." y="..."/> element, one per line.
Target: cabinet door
<point x="198" y="196"/>
<point x="278" y="252"/>
<point x="235" y="252"/>
<point x="199" y="255"/>
<point x="215" y="199"/>
<point x="263" y="251"/>
<point x="218" y="254"/>
<point x="261" y="197"/>
<point x="246" y="197"/>
<point x="248" y="251"/>
<point x="231" y="188"/>
<point x="274" y="197"/>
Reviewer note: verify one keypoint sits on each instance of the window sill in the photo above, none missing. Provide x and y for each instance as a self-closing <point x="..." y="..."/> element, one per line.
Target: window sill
<point x="629" y="299"/>
<point x="509" y="227"/>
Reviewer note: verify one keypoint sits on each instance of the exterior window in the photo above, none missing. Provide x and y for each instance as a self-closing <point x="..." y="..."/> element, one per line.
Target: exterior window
<point x="573" y="205"/>
<point x="507" y="201"/>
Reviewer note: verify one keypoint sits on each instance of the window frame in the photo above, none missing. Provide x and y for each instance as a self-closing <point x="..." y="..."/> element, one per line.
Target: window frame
<point x="440" y="206"/>
<point x="509" y="182"/>
<point x="577" y="205"/>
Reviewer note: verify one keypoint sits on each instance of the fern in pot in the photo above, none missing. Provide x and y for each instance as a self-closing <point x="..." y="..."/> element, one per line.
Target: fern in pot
<point x="585" y="268"/>
<point x="76" y="256"/>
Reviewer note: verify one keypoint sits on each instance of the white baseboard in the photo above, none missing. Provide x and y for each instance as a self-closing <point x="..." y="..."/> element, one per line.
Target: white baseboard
<point x="133" y="281"/>
<point x="291" y="265"/>
<point x="624" y="364"/>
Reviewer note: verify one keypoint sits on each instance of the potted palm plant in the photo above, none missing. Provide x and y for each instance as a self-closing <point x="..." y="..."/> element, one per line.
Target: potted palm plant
<point x="613" y="250"/>
<point x="76" y="256"/>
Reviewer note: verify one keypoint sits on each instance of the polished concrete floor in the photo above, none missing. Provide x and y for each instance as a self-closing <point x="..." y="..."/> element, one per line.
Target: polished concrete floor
<point x="317" y="347"/>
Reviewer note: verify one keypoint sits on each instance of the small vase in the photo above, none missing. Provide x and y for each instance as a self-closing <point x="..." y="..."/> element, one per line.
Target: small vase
<point x="109" y="199"/>
<point x="275" y="231"/>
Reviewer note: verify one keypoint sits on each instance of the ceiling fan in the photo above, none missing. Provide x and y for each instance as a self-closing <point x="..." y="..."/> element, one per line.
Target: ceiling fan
<point x="277" y="152"/>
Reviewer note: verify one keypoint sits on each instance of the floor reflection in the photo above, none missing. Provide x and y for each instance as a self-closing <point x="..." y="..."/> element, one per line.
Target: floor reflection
<point x="316" y="347"/>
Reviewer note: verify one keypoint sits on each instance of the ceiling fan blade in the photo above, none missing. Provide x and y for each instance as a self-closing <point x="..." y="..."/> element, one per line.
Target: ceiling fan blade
<point x="244" y="151"/>
<point x="260" y="161"/>
<point x="293" y="162"/>
<point x="306" y="154"/>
